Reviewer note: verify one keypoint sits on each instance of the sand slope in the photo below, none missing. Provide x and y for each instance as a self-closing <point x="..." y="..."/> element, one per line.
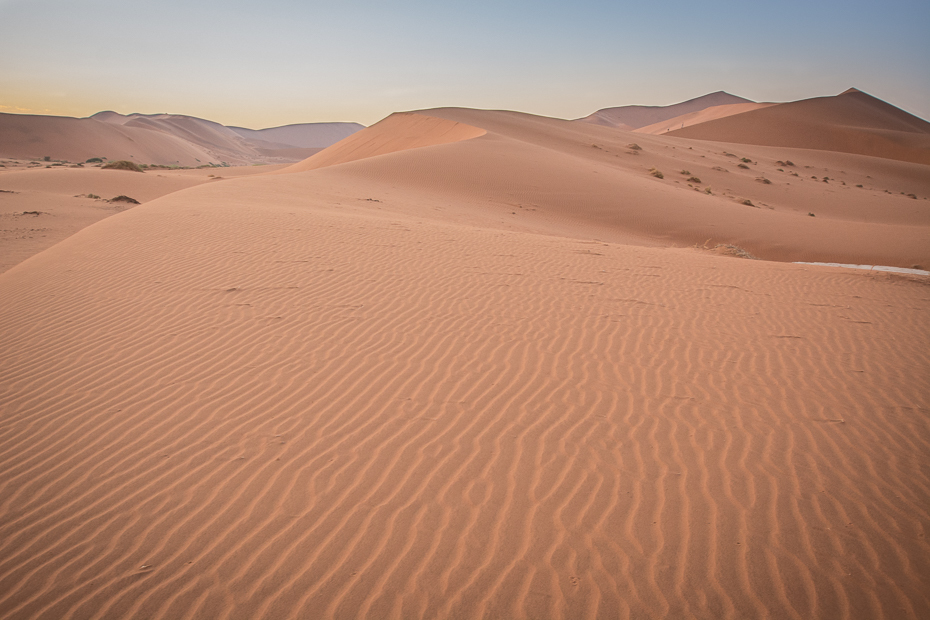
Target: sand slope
<point x="635" y="116"/>
<point x="271" y="397"/>
<point x="454" y="367"/>
<point x="40" y="207"/>
<point x="853" y="122"/>
<point x="398" y="132"/>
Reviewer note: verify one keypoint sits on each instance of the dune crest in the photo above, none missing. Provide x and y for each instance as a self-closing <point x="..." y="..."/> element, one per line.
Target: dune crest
<point x="398" y="132"/>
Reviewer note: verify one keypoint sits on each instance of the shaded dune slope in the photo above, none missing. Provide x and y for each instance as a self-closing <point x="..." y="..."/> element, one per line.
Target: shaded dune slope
<point x="853" y="122"/>
<point x="635" y="116"/>
<point x="701" y="116"/>
<point x="350" y="411"/>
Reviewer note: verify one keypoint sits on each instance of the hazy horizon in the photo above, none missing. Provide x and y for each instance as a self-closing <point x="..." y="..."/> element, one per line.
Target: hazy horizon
<point x="284" y="62"/>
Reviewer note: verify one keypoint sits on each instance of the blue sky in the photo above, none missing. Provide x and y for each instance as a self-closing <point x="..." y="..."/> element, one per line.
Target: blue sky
<point x="260" y="64"/>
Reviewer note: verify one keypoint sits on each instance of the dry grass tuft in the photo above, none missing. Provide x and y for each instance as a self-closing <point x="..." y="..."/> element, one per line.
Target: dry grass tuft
<point x="656" y="173"/>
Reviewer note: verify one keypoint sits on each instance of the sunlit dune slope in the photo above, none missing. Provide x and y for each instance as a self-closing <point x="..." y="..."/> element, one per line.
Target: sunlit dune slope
<point x="853" y="122"/>
<point x="397" y="132"/>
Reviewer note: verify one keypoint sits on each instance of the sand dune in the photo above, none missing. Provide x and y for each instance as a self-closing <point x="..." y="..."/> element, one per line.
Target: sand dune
<point x="462" y="364"/>
<point x="635" y="116"/>
<point x="701" y="116"/>
<point x="398" y="132"/>
<point x="557" y="177"/>
<point x="164" y="139"/>
<point x="305" y="135"/>
<point x="853" y="122"/>
<point x="353" y="411"/>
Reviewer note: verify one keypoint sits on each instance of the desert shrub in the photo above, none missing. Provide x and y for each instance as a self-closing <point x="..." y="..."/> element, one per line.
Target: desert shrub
<point x="811" y="214"/>
<point x="122" y="164"/>
<point x="47" y="158"/>
<point x="747" y="202"/>
<point x="656" y="173"/>
<point x="634" y="147"/>
<point x="764" y="181"/>
<point x="744" y="166"/>
<point x="122" y="198"/>
<point x="694" y="180"/>
<point x="94" y="160"/>
<point x="686" y="172"/>
<point x="745" y="160"/>
<point x="707" y="190"/>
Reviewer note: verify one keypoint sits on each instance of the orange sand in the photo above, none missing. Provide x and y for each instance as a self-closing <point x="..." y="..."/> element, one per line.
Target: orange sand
<point x="484" y="377"/>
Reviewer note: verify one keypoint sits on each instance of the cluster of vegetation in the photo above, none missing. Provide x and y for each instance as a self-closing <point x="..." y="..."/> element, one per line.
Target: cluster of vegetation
<point x="122" y="164"/>
<point x="122" y="198"/>
<point x="656" y="173"/>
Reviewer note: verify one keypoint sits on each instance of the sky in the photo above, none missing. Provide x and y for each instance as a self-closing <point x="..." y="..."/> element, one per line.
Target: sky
<point x="274" y="62"/>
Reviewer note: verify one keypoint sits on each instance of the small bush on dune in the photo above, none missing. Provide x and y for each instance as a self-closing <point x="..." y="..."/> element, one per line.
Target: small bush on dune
<point x="634" y="147"/>
<point x="122" y="164"/>
<point x="694" y="180"/>
<point x="122" y="198"/>
<point x="94" y="160"/>
<point x="656" y="173"/>
<point x="744" y="166"/>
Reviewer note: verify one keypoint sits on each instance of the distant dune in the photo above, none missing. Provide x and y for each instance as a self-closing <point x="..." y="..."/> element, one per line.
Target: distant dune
<point x="306" y="135"/>
<point x="701" y="116"/>
<point x="636" y="116"/>
<point x="164" y="139"/>
<point x="853" y="122"/>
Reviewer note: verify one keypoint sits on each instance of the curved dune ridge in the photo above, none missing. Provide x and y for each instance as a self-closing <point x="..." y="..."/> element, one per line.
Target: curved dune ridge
<point x="398" y="132"/>
<point x="234" y="402"/>
<point x="852" y="122"/>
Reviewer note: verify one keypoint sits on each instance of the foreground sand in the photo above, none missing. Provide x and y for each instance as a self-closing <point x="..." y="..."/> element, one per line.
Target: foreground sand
<point x="357" y="392"/>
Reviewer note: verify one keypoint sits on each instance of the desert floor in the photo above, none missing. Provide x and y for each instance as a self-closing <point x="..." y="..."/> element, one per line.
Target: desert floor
<point x="509" y="373"/>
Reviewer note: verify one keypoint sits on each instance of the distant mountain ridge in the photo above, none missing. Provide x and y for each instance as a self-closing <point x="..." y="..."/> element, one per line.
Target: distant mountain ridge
<point x="635" y="116"/>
